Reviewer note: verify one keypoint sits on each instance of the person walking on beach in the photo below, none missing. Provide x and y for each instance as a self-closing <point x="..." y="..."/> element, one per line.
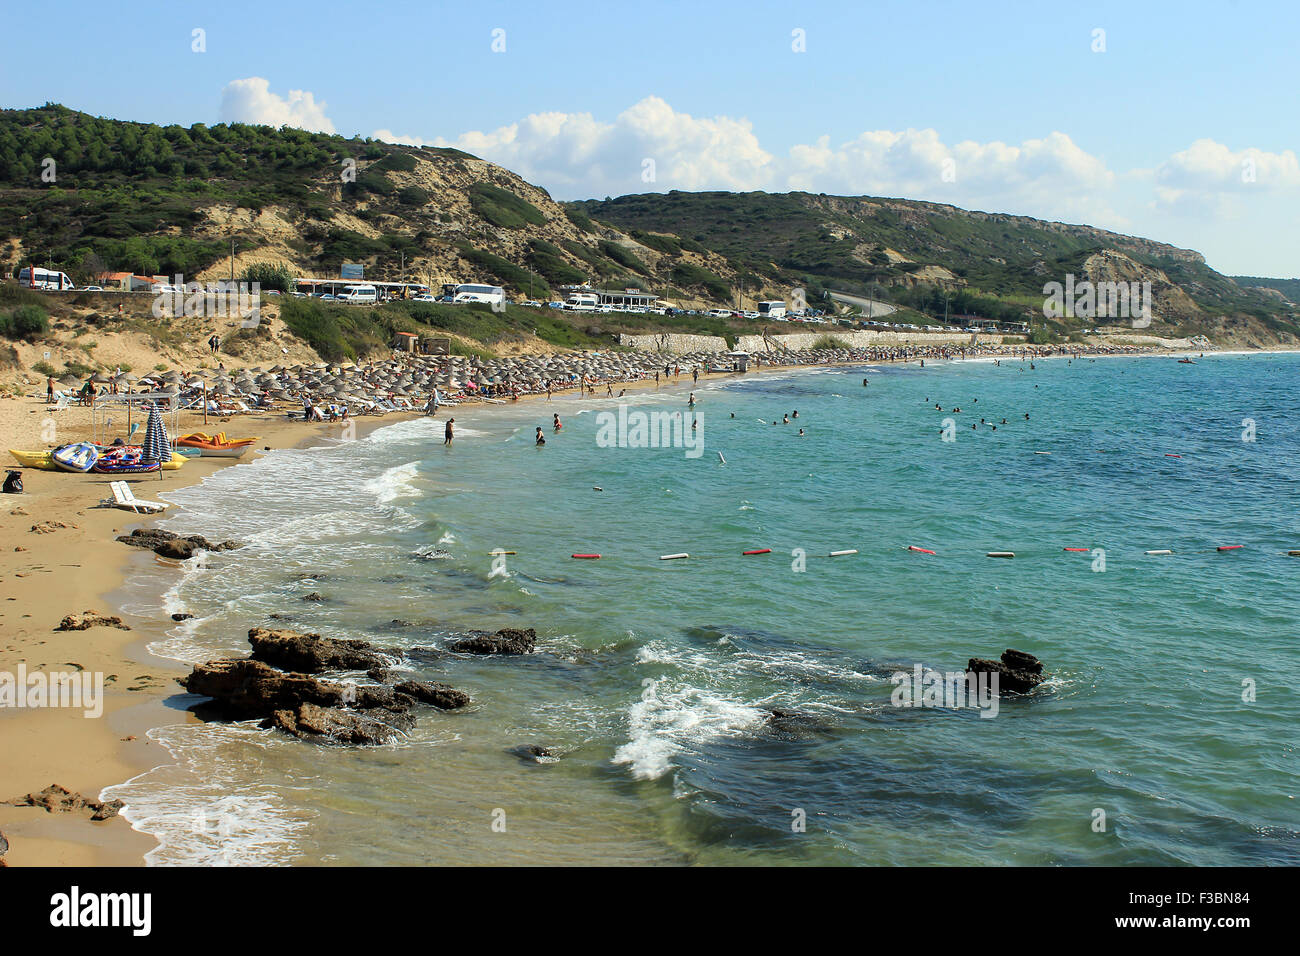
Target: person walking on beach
<point x="49" y="390"/>
<point x="449" y="432"/>
<point x="695" y="375"/>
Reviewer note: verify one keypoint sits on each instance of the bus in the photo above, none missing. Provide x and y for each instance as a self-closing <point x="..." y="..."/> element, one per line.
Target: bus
<point x="771" y="310"/>
<point x="45" y="279"/>
<point x="475" y="292"/>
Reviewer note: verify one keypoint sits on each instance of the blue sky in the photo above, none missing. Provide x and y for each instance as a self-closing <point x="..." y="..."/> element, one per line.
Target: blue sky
<point x="1181" y="126"/>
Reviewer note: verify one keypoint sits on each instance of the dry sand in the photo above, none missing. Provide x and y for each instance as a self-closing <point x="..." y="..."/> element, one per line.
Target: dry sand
<point x="69" y="566"/>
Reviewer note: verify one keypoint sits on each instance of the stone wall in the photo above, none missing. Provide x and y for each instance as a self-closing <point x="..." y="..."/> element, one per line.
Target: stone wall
<point x="864" y="339"/>
<point x="674" y="343"/>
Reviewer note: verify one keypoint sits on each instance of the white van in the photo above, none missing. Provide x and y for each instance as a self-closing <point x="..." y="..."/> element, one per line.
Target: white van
<point x="45" y="279"/>
<point x="582" y="302"/>
<point x="359" y="295"/>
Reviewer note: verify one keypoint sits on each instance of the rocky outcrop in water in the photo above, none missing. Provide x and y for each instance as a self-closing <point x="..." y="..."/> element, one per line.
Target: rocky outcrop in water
<point x="341" y="726"/>
<point x="1018" y="672"/>
<point x="168" y="544"/>
<point x="508" y="640"/>
<point x="57" y="799"/>
<point x="311" y="653"/>
<point x="534" y="753"/>
<point x="293" y="700"/>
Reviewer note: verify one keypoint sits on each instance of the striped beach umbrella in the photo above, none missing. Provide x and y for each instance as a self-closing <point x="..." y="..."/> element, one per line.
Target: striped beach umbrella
<point x="157" y="445"/>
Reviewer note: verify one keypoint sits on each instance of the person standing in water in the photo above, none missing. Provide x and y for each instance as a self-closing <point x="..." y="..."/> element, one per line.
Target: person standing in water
<point x="558" y="425"/>
<point x="448" y="433"/>
<point x="541" y="439"/>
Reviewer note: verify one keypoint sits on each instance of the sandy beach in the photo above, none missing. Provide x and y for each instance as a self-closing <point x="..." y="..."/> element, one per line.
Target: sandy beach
<point x="60" y="557"/>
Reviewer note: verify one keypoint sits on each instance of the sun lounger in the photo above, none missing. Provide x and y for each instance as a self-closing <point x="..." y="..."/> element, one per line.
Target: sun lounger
<point x="125" y="499"/>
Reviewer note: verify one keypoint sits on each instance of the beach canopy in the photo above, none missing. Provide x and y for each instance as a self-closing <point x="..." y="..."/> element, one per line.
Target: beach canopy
<point x="157" y="445"/>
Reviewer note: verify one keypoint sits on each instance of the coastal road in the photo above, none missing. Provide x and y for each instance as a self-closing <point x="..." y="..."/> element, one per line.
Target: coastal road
<point x="871" y="308"/>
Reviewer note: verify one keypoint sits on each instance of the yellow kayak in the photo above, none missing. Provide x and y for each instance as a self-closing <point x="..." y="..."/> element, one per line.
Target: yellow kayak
<point x="42" y="461"/>
<point x="34" y="459"/>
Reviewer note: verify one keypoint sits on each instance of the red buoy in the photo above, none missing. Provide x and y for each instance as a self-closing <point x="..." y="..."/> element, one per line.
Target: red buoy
<point x="1076" y="549"/>
<point x="1227" y="547"/>
<point x="589" y="556"/>
<point x="912" y="547"/>
<point x="758" y="551"/>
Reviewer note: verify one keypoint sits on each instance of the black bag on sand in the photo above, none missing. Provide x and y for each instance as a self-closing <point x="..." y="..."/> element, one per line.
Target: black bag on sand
<point x="14" y="483"/>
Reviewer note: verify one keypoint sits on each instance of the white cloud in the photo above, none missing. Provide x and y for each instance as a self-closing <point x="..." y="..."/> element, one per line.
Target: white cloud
<point x="1210" y="166"/>
<point x="250" y="100"/>
<point x="574" y="154"/>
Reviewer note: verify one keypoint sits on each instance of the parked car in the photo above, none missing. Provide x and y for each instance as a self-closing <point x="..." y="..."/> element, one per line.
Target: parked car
<point x="92" y="288"/>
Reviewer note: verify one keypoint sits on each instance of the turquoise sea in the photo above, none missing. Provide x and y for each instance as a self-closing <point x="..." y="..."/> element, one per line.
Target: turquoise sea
<point x="654" y="680"/>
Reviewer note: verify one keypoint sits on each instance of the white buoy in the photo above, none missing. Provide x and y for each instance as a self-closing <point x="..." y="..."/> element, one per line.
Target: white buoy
<point x="836" y="554"/>
<point x="1001" y="554"/>
<point x="1160" y="551"/>
<point x="673" y="557"/>
<point x="721" y="460"/>
<point x="597" y="488"/>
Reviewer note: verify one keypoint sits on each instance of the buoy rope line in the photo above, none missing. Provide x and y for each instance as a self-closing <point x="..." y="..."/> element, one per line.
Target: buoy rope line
<point x="915" y="549"/>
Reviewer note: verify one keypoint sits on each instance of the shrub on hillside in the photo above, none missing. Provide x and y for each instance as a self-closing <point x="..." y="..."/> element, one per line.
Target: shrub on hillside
<point x="25" y="322"/>
<point x="503" y="208"/>
<point x="269" y="276"/>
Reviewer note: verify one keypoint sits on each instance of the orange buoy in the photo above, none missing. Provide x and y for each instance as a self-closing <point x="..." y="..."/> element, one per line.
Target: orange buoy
<point x="912" y="547"/>
<point x="588" y="556"/>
